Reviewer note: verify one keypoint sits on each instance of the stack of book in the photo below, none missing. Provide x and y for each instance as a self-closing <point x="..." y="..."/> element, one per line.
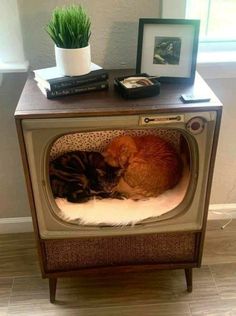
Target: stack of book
<point x="52" y="84"/>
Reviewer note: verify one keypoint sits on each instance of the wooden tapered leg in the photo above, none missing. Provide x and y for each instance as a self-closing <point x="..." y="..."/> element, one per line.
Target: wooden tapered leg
<point x="189" y="279"/>
<point x="52" y="289"/>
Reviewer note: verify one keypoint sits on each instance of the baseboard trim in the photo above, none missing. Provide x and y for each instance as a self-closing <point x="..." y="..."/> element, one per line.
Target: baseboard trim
<point x="24" y="224"/>
<point x="222" y="211"/>
<point x="16" y="225"/>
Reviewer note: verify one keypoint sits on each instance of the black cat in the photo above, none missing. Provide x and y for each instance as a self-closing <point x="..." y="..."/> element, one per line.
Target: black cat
<point x="79" y="176"/>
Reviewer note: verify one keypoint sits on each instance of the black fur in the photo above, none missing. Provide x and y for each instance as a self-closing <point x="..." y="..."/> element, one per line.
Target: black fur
<point x="79" y="176"/>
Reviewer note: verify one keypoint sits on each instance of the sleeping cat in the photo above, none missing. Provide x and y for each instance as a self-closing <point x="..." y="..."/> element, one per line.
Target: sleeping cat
<point x="150" y="165"/>
<point x="79" y="175"/>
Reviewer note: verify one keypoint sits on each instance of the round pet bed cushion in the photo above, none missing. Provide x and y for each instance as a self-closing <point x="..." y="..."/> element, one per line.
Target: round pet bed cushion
<point x="114" y="211"/>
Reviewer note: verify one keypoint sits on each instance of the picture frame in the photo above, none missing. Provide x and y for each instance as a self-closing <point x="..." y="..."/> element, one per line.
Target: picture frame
<point x="167" y="49"/>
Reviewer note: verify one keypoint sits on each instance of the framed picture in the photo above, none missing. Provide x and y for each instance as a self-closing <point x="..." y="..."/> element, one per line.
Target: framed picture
<point x="167" y="49"/>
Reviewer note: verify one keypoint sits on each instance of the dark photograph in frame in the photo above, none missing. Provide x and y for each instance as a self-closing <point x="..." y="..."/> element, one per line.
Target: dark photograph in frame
<point x="167" y="49"/>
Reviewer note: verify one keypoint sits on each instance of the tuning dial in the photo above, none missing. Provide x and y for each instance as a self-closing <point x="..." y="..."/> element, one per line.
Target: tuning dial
<point x="196" y="125"/>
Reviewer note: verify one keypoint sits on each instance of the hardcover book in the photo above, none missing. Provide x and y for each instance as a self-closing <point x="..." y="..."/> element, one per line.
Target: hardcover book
<point x="94" y="86"/>
<point x="51" y="79"/>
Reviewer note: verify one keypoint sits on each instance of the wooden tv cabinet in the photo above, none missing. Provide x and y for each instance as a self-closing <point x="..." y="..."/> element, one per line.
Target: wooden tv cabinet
<point x="61" y="257"/>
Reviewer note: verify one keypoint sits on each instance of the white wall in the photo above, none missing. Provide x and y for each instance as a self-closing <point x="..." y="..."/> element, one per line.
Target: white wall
<point x="224" y="181"/>
<point x="114" y="29"/>
<point x="11" y="49"/>
<point x="13" y="196"/>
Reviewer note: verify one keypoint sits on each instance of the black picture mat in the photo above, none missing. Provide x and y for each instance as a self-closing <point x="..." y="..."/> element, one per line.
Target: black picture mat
<point x="194" y="23"/>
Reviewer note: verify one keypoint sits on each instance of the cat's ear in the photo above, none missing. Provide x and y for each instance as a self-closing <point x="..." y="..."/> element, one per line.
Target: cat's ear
<point x="124" y="155"/>
<point x="127" y="152"/>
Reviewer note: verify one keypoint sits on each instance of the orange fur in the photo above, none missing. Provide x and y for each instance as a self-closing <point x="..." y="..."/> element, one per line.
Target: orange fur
<point x="150" y="165"/>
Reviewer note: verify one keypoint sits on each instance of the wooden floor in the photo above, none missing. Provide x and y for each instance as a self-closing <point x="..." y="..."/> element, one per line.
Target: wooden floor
<point x="159" y="293"/>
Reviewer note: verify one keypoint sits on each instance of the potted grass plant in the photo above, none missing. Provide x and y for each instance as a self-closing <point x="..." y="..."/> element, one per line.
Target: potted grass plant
<point x="70" y="29"/>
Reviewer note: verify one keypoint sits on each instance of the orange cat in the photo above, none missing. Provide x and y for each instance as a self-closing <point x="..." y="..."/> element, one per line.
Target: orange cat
<point x="150" y="165"/>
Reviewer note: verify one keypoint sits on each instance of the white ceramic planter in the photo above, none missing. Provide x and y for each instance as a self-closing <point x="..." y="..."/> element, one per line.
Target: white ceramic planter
<point x="73" y="61"/>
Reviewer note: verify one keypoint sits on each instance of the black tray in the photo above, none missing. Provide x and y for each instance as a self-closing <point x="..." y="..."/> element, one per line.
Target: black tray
<point x="139" y="92"/>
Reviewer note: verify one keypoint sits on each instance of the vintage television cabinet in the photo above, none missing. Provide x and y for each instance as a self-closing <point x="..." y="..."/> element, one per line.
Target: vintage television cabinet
<point x="171" y="241"/>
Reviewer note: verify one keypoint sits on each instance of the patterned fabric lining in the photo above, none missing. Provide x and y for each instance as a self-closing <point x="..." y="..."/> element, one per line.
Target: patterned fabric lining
<point x="95" y="214"/>
<point x="97" y="141"/>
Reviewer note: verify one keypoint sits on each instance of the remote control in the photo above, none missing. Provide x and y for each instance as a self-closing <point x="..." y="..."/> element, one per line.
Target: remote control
<point x="192" y="98"/>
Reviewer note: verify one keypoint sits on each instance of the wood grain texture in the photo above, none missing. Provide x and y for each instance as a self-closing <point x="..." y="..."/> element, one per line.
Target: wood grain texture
<point x="4" y="311"/>
<point x="33" y="103"/>
<point x="161" y="293"/>
<point x="5" y="291"/>
<point x="179" y="309"/>
<point x="217" y="307"/>
<point x="18" y="255"/>
<point x="220" y="244"/>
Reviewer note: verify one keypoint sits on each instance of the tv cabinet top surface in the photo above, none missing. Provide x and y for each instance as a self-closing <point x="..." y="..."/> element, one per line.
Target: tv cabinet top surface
<point x="33" y="104"/>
